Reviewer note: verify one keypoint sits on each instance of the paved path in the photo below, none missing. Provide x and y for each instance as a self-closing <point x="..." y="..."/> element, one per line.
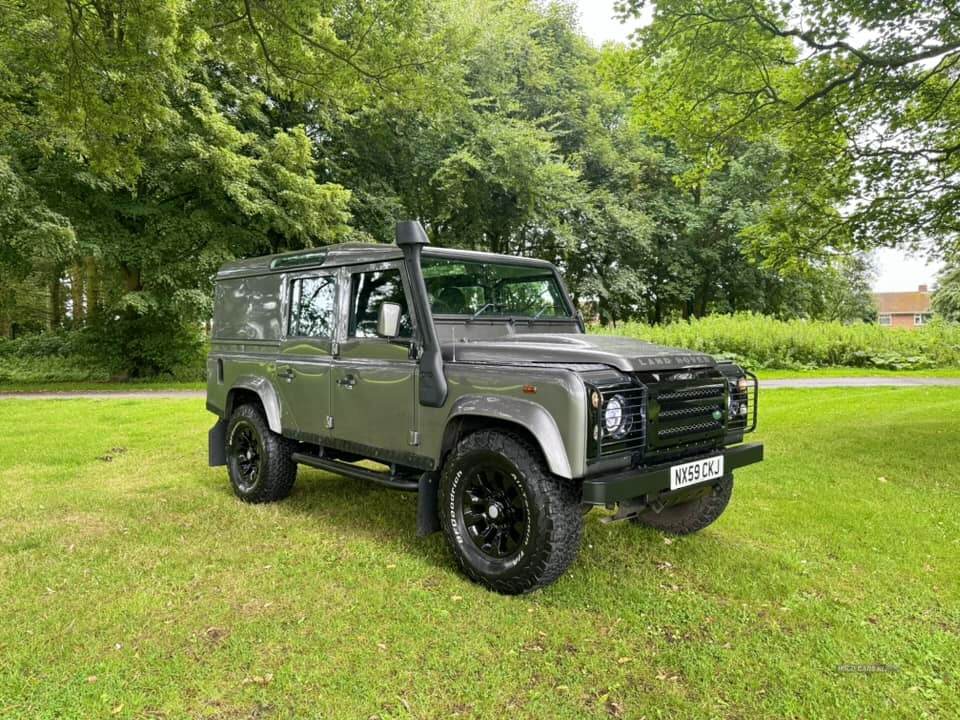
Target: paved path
<point x="892" y="381"/>
<point x="826" y="382"/>
<point x="107" y="395"/>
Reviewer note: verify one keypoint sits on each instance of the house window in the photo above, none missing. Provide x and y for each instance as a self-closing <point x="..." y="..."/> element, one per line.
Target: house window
<point x="885" y="320"/>
<point x="921" y="319"/>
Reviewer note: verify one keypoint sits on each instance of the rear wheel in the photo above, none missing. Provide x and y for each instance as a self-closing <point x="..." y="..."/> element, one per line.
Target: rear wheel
<point x="258" y="461"/>
<point x="511" y="525"/>
<point x="691" y="516"/>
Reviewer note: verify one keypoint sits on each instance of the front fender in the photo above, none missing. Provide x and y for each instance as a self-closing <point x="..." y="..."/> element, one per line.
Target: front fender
<point x="526" y="413"/>
<point x="267" y="393"/>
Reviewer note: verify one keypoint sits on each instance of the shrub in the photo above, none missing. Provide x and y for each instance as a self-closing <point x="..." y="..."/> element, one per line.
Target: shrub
<point x="759" y="341"/>
<point x="117" y="348"/>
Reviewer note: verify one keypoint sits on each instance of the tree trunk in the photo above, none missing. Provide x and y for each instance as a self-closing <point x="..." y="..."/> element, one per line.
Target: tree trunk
<point x="93" y="285"/>
<point x="131" y="278"/>
<point x="6" y="327"/>
<point x="78" y="312"/>
<point x="55" y="307"/>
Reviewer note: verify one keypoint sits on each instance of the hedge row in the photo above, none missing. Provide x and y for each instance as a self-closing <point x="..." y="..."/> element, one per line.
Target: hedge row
<point x="764" y="342"/>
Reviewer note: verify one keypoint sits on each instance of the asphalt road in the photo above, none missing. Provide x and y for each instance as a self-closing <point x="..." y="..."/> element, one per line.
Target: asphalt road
<point x="765" y="384"/>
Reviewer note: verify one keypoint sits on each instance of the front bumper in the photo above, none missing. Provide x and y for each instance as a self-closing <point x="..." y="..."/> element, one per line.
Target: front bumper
<point x="652" y="482"/>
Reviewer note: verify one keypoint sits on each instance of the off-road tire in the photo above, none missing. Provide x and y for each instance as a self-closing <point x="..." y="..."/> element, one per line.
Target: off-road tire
<point x="276" y="470"/>
<point x="692" y="516"/>
<point x="554" y="522"/>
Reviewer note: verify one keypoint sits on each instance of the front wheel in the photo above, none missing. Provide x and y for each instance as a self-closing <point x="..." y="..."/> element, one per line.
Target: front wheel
<point x="691" y="516"/>
<point x="512" y="526"/>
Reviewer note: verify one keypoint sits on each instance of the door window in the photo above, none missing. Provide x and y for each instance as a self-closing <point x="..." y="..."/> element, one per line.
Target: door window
<point x="367" y="291"/>
<point x="312" y="302"/>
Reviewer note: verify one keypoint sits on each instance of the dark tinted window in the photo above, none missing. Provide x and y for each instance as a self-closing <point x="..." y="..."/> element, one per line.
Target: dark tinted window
<point x="367" y="291"/>
<point x="312" y="302"/>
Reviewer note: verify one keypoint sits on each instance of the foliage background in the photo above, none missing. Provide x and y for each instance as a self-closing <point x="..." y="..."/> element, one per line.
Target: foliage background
<point x="143" y="144"/>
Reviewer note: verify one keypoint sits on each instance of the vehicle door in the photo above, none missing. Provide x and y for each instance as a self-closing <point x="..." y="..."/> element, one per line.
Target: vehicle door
<point x="374" y="378"/>
<point x="306" y="354"/>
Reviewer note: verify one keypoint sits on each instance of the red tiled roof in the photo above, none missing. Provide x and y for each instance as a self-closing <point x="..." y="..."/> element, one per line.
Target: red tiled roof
<point x="893" y="303"/>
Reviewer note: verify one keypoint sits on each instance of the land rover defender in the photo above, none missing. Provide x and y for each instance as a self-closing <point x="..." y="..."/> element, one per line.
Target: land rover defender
<point x="470" y="379"/>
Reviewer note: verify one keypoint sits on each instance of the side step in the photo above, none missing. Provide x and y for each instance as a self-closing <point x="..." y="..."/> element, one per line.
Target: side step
<point x="395" y="482"/>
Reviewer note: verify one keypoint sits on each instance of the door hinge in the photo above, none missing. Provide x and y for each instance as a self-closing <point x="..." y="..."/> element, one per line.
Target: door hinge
<point x="329" y="422"/>
<point x="414" y="438"/>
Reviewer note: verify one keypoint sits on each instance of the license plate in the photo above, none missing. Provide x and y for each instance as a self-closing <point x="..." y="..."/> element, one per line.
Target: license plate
<point x="695" y="472"/>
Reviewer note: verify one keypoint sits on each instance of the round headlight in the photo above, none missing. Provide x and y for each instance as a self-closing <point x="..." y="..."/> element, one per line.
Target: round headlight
<point x="616" y="421"/>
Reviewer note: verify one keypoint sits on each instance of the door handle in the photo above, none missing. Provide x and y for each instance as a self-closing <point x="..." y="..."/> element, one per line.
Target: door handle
<point x="286" y="372"/>
<point x="347" y="382"/>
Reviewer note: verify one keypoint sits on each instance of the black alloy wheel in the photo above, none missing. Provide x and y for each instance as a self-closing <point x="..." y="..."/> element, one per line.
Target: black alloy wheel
<point x="494" y="509"/>
<point x="246" y="450"/>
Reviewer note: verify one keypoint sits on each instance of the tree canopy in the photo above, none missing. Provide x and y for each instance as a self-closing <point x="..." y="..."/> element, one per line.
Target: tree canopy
<point x="143" y="144"/>
<point x="860" y="96"/>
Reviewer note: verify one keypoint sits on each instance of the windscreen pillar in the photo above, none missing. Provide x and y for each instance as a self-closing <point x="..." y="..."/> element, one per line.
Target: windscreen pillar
<point x="411" y="238"/>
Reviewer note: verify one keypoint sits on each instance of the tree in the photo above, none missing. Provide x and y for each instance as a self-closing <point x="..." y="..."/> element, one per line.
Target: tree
<point x="139" y="148"/>
<point x="862" y="95"/>
<point x="946" y="298"/>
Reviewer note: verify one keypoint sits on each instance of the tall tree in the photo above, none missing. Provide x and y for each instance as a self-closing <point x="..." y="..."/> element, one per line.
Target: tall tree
<point x="946" y="298"/>
<point x="862" y="94"/>
<point x="139" y="140"/>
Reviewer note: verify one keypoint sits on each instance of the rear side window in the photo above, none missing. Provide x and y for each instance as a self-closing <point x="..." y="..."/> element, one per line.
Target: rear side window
<point x="312" y="301"/>
<point x="367" y="291"/>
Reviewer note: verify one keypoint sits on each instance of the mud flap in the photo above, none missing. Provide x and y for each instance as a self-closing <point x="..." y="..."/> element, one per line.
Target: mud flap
<point x="217" y="444"/>
<point x="428" y="511"/>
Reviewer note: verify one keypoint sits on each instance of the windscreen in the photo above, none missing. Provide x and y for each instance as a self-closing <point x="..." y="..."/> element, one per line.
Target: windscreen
<point x="476" y="289"/>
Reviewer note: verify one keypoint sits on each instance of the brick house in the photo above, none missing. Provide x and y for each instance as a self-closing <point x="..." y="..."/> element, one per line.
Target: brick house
<point x="904" y="309"/>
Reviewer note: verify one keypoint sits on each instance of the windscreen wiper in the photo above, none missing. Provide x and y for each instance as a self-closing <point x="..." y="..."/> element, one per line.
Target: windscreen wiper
<point x="482" y="310"/>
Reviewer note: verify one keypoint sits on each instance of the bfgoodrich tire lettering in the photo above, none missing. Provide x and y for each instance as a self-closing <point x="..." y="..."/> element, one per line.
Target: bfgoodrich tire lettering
<point x="531" y="526"/>
<point x="258" y="461"/>
<point x="690" y="517"/>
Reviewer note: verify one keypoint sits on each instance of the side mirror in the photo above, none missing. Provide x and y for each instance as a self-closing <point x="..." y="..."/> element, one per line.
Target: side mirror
<point x="388" y="320"/>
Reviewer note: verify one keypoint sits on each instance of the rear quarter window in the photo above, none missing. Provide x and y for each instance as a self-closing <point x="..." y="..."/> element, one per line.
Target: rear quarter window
<point x="247" y="308"/>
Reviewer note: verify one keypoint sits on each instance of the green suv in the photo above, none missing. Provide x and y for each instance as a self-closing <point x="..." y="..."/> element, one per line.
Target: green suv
<point x="467" y="378"/>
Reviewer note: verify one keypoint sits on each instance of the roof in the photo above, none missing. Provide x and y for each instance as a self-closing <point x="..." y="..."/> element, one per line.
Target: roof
<point x="902" y="303"/>
<point x="352" y="254"/>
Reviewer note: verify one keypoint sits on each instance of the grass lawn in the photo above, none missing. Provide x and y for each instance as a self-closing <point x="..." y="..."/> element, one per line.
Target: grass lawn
<point x="135" y="586"/>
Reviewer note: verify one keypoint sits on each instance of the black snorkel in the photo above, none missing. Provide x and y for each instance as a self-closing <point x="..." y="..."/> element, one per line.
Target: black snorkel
<point x="411" y="238"/>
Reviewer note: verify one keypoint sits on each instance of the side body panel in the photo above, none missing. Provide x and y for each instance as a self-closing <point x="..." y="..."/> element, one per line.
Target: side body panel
<point x="305" y="361"/>
<point x="374" y="396"/>
<point x="550" y="403"/>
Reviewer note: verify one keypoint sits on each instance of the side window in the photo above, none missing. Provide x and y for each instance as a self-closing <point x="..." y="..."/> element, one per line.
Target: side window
<point x="311" y="306"/>
<point x="367" y="291"/>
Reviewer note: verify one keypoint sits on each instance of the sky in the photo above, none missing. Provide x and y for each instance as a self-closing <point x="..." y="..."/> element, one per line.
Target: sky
<point x="896" y="270"/>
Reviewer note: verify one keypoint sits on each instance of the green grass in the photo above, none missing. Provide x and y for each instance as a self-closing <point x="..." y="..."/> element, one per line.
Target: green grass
<point x="135" y="585"/>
